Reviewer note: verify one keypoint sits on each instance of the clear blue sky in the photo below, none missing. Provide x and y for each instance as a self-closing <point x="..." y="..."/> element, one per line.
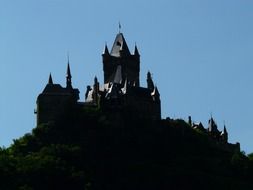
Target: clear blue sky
<point x="199" y="51"/>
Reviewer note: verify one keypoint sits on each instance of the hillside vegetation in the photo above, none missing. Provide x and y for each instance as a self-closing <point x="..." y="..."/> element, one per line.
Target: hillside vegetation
<point x="91" y="150"/>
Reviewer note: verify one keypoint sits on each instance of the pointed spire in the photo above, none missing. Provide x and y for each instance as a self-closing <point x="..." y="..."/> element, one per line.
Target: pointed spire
<point x="106" y="51"/>
<point x="212" y="126"/>
<point x="225" y="130"/>
<point x="136" y="52"/>
<point x="50" y="80"/>
<point x="68" y="70"/>
<point x="68" y="77"/>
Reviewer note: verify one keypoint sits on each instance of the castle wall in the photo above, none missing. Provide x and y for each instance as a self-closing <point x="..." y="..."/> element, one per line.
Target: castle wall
<point x="52" y="107"/>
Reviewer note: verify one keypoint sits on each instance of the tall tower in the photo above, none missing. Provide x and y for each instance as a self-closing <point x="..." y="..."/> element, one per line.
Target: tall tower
<point x="121" y="56"/>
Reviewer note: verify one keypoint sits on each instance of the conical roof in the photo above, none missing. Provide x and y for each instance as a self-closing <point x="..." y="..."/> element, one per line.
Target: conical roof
<point x="106" y="51"/>
<point x="50" y="80"/>
<point x="136" y="52"/>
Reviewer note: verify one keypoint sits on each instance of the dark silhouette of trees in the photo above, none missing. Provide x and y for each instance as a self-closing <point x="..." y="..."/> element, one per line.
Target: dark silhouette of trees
<point x="91" y="150"/>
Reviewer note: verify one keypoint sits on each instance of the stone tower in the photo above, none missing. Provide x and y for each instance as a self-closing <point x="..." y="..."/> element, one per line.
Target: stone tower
<point x="121" y="56"/>
<point x="54" y="100"/>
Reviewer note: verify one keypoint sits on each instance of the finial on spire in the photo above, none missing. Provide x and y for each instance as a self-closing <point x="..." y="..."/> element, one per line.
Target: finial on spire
<point x="50" y="80"/>
<point x="119" y="27"/>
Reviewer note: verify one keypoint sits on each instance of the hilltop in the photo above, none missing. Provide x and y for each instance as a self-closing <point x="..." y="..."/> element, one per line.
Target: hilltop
<point x="93" y="153"/>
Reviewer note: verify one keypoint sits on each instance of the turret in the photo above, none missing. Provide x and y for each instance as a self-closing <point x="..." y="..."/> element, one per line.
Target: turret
<point x="224" y="135"/>
<point x="150" y="83"/>
<point x="156" y="103"/>
<point x="212" y="127"/>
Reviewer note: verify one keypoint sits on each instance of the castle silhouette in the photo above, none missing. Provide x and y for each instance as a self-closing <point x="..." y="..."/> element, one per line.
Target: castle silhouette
<point x="120" y="92"/>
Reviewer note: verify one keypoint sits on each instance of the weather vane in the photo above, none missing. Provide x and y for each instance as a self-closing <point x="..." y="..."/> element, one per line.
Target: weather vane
<point x="119" y="27"/>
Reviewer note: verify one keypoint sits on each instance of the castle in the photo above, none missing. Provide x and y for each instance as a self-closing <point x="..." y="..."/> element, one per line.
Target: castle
<point x="120" y="92"/>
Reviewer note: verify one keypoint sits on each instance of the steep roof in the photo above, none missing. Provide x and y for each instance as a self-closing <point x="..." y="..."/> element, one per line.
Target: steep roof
<point x="212" y="126"/>
<point x="119" y="45"/>
<point x="58" y="89"/>
<point x="50" y="80"/>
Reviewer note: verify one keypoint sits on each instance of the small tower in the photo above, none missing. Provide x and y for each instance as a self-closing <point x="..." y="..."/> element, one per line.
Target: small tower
<point x="68" y="77"/>
<point x="150" y="83"/>
<point x="212" y="127"/>
<point x="53" y="101"/>
<point x="224" y="135"/>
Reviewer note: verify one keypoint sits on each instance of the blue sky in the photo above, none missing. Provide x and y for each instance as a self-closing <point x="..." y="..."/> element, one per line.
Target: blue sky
<point x="199" y="51"/>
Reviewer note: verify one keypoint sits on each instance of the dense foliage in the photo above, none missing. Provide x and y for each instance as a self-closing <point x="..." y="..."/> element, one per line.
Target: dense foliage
<point x="97" y="151"/>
